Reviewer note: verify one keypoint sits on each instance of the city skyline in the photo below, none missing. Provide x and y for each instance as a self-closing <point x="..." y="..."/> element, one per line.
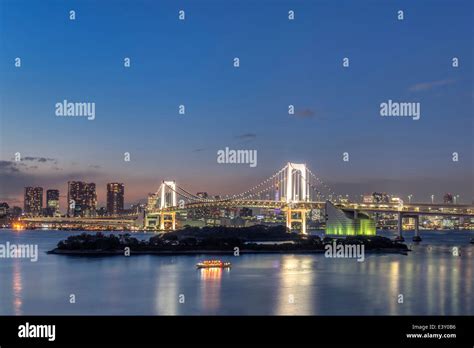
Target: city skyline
<point x="246" y="108"/>
<point x="225" y="159"/>
<point x="84" y="195"/>
<point x="115" y="190"/>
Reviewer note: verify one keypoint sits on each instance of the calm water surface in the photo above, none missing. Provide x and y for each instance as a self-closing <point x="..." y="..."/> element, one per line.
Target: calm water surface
<point x="431" y="279"/>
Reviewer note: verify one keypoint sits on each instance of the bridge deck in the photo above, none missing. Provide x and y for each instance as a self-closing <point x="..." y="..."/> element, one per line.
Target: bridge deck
<point x="405" y="209"/>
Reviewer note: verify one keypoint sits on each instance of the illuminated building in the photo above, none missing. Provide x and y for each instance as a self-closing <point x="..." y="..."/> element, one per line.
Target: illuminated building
<point x="115" y="198"/>
<point x="138" y="208"/>
<point x="4" y="214"/>
<point x="448" y="198"/>
<point x="380" y="197"/>
<point x="4" y="208"/>
<point x="101" y="211"/>
<point x="33" y="200"/>
<point x="52" y="202"/>
<point x="202" y="194"/>
<point x="368" y="199"/>
<point x="152" y="199"/>
<point x="348" y="223"/>
<point x="376" y="197"/>
<point x="82" y="199"/>
<point x="395" y="199"/>
<point x="316" y="215"/>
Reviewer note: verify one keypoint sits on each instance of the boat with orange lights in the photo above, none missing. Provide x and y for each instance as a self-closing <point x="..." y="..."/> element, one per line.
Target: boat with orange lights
<point x="213" y="264"/>
<point x="18" y="226"/>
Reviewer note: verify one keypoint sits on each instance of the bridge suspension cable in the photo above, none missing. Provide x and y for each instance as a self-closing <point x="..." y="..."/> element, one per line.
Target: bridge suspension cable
<point x="248" y="192"/>
<point x="321" y="182"/>
<point x="301" y="185"/>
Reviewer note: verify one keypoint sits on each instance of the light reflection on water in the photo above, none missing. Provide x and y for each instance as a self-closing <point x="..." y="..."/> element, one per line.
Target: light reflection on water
<point x="17" y="288"/>
<point x="431" y="279"/>
<point x="210" y="288"/>
<point x="296" y="273"/>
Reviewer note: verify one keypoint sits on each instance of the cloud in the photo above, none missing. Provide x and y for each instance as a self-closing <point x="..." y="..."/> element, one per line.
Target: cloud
<point x="305" y="113"/>
<point x="198" y="150"/>
<point x="8" y="167"/>
<point x="38" y="159"/>
<point x="425" y="86"/>
<point x="246" y="136"/>
<point x="13" y="181"/>
<point x="95" y="166"/>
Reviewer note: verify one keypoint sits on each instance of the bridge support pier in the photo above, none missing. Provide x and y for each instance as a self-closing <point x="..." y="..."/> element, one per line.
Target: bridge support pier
<point x="150" y="222"/>
<point x="162" y="220"/>
<point x="399" y="237"/>
<point x="417" y="237"/>
<point x="301" y="219"/>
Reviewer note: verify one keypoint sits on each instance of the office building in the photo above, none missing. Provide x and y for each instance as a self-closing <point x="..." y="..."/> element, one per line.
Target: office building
<point x="33" y="201"/>
<point x="115" y="198"/>
<point x="82" y="199"/>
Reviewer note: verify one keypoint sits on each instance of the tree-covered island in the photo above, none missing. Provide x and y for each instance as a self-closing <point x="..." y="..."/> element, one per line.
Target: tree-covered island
<point x="217" y="240"/>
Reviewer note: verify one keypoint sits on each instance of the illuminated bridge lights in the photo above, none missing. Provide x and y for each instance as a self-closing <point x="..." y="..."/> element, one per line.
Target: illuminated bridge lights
<point x="297" y="191"/>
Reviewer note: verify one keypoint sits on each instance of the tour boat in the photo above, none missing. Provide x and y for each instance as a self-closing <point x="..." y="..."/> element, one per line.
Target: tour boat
<point x="213" y="264"/>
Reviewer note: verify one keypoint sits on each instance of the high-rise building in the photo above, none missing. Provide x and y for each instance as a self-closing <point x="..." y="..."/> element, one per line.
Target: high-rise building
<point x="82" y="198"/>
<point x="33" y="200"/>
<point x="4" y="213"/>
<point x="115" y="198"/>
<point x="4" y="209"/>
<point x="152" y="201"/>
<point x="91" y="199"/>
<point x="52" y="202"/>
<point x="102" y="211"/>
<point x="448" y="198"/>
<point x="381" y="197"/>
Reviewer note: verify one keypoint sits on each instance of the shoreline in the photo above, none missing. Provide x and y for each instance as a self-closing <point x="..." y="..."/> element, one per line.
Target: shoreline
<point x="57" y="251"/>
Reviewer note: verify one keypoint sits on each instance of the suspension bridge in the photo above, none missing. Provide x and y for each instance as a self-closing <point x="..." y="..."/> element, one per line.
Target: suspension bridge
<point x="295" y="190"/>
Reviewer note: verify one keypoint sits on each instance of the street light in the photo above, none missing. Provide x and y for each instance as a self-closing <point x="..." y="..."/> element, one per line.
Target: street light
<point x="409" y="198"/>
<point x="432" y="199"/>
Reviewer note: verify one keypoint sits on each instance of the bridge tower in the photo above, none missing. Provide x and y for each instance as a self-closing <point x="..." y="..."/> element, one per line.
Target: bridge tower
<point x="167" y="186"/>
<point x="157" y="214"/>
<point x="297" y="190"/>
<point x="297" y="186"/>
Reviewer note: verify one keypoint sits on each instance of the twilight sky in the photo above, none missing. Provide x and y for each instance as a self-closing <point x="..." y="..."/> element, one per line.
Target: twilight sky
<point x="282" y="62"/>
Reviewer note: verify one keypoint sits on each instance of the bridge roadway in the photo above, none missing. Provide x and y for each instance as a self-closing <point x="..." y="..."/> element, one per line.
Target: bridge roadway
<point x="405" y="209"/>
<point x="301" y="208"/>
<point x="126" y="220"/>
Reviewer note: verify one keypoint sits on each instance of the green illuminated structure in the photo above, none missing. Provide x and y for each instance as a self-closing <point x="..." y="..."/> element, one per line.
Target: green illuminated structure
<point x="348" y="223"/>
